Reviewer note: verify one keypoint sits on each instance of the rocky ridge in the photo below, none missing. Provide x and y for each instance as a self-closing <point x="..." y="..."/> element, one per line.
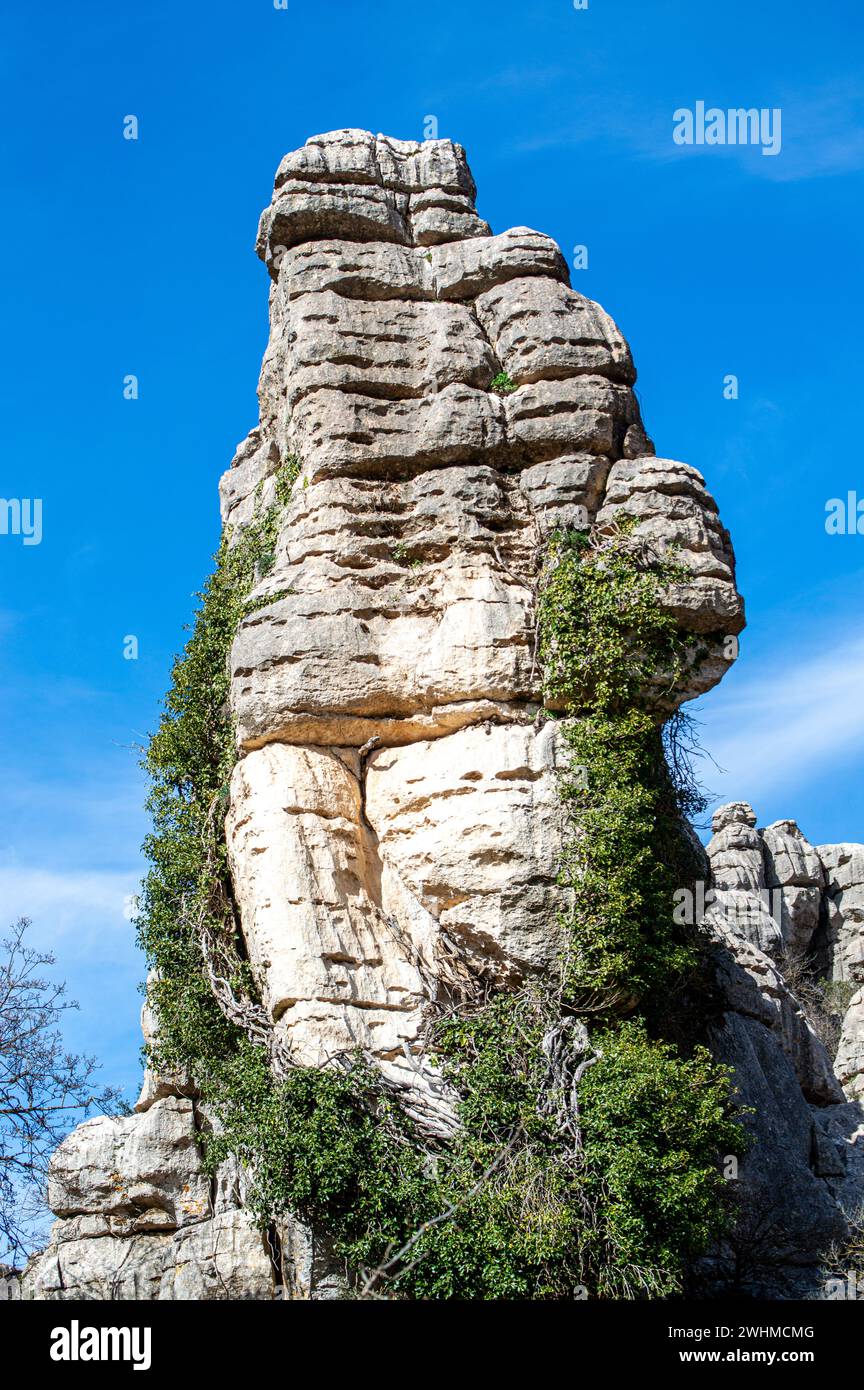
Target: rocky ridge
<point x="788" y="917"/>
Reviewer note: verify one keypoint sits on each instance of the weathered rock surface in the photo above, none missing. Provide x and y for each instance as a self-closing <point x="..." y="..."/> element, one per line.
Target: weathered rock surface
<point x="358" y="187"/>
<point x="849" y="1063"/>
<point x="773" y="1005"/>
<point x="144" y="1169"/>
<point x="787" y="1213"/>
<point x="777" y="892"/>
<point x="844" y="899"/>
<point x="674" y="510"/>
<point x="738" y="878"/>
<point x="403" y="588"/>
<point x="346" y="877"/>
<point x="771" y="882"/>
<point x="314" y="905"/>
<point x="139" y="1219"/>
<point x="402" y="600"/>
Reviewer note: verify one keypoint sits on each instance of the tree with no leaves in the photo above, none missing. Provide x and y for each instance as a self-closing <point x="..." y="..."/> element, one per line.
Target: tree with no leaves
<point x="43" y="1088"/>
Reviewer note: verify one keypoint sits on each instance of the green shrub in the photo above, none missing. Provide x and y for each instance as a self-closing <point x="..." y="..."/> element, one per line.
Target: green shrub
<point x="331" y="1147"/>
<point x="607" y="645"/>
<point x="655" y="1126"/>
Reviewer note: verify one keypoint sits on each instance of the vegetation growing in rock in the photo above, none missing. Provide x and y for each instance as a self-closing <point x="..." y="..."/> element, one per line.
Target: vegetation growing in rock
<point x="612" y="655"/>
<point x="610" y="1135"/>
<point x="824" y="1001"/>
<point x="586" y="1157"/>
<point x="502" y="383"/>
<point x="189" y="762"/>
<point x="844" y="1259"/>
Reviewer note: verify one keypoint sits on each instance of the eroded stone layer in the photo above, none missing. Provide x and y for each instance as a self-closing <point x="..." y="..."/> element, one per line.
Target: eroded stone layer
<point x="403" y="594"/>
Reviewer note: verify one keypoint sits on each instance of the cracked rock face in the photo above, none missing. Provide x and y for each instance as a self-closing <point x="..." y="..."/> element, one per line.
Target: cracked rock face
<point x="778" y="893"/>
<point x="844" y="900"/>
<point x="344" y="879"/>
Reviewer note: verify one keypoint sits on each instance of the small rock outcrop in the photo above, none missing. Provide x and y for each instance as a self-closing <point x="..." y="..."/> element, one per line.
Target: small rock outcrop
<point x="794" y="903"/>
<point x="138" y="1217"/>
<point x="450" y="400"/>
<point x="776" y="906"/>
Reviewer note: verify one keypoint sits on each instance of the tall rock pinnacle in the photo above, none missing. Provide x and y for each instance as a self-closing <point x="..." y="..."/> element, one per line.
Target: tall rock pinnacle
<point x="403" y="603"/>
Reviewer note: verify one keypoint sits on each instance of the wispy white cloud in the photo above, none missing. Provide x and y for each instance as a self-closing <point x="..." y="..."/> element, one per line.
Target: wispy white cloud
<point x="796" y="716"/>
<point x="79" y="914"/>
<point x="620" y="121"/>
<point x="822" y="131"/>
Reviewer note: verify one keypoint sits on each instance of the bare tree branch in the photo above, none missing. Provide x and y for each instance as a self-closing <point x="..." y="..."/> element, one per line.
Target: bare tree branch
<point x="41" y="1087"/>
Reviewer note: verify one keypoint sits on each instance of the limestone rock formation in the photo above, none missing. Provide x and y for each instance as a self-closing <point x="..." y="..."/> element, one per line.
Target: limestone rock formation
<point x="401" y="605"/>
<point x="139" y="1219"/>
<point x="777" y="894"/>
<point x="844" y="902"/>
<point x="777" y="909"/>
<point x="450" y="400"/>
<point x="138" y="1216"/>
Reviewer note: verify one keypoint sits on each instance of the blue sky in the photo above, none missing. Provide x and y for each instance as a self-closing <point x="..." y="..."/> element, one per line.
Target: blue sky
<point x="136" y="257"/>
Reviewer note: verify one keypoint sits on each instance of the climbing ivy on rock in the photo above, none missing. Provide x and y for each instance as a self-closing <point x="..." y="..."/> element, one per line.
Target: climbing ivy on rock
<point x="599" y="1145"/>
<point x="189" y="762"/>
<point x="612" y="655"/>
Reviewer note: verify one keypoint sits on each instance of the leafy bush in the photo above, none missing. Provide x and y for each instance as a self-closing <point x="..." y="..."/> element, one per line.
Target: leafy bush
<point x="655" y="1124"/>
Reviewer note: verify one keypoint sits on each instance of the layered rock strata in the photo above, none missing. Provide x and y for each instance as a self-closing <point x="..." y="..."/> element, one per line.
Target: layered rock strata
<point x="397" y="790"/>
